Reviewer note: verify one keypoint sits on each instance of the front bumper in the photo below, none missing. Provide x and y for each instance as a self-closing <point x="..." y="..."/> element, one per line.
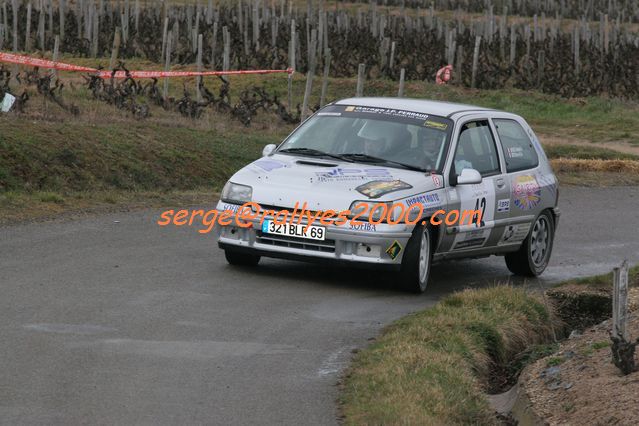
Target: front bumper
<point x="367" y="245"/>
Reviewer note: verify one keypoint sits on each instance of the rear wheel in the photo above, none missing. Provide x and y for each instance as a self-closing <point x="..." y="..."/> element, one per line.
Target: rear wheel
<point x="241" y="259"/>
<point x="532" y="257"/>
<point x="417" y="260"/>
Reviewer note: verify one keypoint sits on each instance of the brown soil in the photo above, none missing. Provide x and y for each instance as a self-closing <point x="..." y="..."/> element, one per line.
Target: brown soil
<point x="580" y="385"/>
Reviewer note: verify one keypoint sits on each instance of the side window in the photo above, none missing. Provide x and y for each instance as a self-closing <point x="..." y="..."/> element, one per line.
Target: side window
<point x="476" y="149"/>
<point x="519" y="151"/>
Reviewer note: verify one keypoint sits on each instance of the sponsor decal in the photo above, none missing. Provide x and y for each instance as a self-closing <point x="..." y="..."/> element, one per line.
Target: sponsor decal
<point x="435" y="125"/>
<point x="232" y="207"/>
<point x="515" y="152"/>
<point x="437" y="180"/>
<point x="387" y="111"/>
<point x="269" y="165"/>
<point x="428" y="200"/>
<point x="526" y="192"/>
<point x="474" y="242"/>
<point x="341" y="174"/>
<point x="503" y="205"/>
<point x="377" y="188"/>
<point x="364" y="226"/>
<point x="469" y="239"/>
<point x="394" y="250"/>
<point x="331" y="114"/>
<point x="514" y="234"/>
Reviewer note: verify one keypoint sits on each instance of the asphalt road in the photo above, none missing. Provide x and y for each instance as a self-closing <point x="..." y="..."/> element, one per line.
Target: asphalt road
<point x="114" y="320"/>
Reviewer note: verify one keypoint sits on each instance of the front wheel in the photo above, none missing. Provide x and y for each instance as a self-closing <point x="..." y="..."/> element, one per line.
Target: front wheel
<point x="417" y="260"/>
<point x="241" y="259"/>
<point x="532" y="257"/>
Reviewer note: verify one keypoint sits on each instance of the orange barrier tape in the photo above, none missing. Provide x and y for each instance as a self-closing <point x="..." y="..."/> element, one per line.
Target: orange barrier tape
<point x="45" y="63"/>
<point x="159" y="74"/>
<point x="42" y="63"/>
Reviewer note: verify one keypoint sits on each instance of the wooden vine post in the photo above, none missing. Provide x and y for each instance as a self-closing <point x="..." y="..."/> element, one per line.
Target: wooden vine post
<point x="623" y="350"/>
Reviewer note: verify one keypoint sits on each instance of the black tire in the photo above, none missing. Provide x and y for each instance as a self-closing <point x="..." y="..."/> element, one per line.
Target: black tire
<point x="529" y="261"/>
<point x="412" y="278"/>
<point x="241" y="259"/>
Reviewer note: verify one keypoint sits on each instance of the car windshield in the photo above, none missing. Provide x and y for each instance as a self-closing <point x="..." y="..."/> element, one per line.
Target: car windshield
<point x="391" y="137"/>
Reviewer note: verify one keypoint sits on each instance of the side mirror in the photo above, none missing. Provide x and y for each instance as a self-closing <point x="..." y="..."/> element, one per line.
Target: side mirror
<point x="469" y="177"/>
<point x="268" y="149"/>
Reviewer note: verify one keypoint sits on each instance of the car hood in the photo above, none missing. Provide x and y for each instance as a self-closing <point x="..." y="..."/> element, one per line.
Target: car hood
<point x="284" y="180"/>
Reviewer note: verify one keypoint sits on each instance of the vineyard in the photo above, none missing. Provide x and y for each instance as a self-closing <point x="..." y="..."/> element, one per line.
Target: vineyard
<point x="568" y="47"/>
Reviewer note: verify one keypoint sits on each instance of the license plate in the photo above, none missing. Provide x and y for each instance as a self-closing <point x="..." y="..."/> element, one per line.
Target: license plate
<point x="294" y="230"/>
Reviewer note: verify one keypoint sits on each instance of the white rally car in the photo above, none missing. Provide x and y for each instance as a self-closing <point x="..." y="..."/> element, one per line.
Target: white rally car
<point x="399" y="152"/>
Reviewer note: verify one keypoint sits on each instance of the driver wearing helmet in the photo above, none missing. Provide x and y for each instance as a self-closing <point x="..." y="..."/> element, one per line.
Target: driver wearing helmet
<point x="375" y="147"/>
<point x="430" y="146"/>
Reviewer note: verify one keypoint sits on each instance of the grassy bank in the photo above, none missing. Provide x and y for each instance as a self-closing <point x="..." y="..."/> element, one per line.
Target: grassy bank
<point x="51" y="161"/>
<point x="50" y="167"/>
<point x="603" y="281"/>
<point x="431" y="367"/>
<point x="79" y="156"/>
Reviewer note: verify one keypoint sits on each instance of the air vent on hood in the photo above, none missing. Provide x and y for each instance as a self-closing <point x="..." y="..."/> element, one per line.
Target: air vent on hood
<point x="313" y="163"/>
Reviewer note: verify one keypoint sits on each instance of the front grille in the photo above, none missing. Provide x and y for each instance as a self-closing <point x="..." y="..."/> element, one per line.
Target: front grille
<point x="326" y="246"/>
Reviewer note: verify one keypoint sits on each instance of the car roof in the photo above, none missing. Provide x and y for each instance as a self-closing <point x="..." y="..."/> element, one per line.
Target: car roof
<point x="445" y="109"/>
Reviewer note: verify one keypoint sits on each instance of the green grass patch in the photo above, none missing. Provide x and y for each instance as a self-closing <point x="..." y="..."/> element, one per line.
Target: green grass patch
<point x="528" y="356"/>
<point x="603" y="280"/>
<point x="601" y="345"/>
<point x="432" y="367"/>
<point x="554" y="361"/>
<point x="75" y="156"/>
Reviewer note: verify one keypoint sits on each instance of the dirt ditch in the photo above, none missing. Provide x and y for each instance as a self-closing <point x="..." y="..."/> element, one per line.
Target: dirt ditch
<point x="572" y="381"/>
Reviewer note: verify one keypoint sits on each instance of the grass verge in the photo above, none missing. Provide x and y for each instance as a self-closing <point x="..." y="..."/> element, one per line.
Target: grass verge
<point x="603" y="280"/>
<point x="17" y="207"/>
<point x="596" y="172"/>
<point x="432" y="367"/>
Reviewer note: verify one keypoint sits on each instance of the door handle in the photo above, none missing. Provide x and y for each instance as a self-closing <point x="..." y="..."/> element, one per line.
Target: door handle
<point x="500" y="183"/>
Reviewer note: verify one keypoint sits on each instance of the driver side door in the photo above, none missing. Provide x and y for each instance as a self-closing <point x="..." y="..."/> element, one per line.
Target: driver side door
<point x="476" y="148"/>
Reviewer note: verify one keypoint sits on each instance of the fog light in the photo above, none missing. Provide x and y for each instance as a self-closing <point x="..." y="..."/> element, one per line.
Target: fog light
<point x="368" y="250"/>
<point x="231" y="232"/>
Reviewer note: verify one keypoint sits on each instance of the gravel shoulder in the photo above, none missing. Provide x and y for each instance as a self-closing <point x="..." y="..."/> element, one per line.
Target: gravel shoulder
<point x="580" y="385"/>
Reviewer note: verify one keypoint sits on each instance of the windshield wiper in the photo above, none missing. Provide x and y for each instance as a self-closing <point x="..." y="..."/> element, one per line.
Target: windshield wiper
<point x="372" y="159"/>
<point x="313" y="153"/>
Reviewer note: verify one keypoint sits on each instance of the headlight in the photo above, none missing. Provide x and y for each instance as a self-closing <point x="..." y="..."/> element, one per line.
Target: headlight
<point x="236" y="194"/>
<point x="374" y="211"/>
